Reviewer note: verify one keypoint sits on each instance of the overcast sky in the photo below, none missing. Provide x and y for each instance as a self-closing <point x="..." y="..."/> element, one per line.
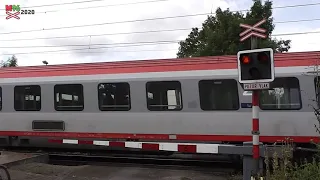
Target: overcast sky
<point x="64" y="16"/>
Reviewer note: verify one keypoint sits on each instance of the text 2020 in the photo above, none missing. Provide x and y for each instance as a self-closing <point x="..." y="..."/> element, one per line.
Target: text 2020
<point x="27" y="11"/>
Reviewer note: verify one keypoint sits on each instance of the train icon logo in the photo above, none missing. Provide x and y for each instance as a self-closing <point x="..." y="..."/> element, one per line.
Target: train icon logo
<point x="10" y="8"/>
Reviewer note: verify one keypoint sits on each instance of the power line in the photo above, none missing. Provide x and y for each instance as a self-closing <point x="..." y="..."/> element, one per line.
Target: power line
<point x="148" y="19"/>
<point x="136" y="44"/>
<point x="297" y="33"/>
<point x="107" y="34"/>
<point x="294" y="21"/>
<point x="143" y="50"/>
<point x="59" y="4"/>
<point x="80" y="49"/>
<point x="118" y="22"/>
<point x="91" y="7"/>
<point x="297" y="5"/>
<point x="112" y="5"/>
<point x="103" y="52"/>
<point x="151" y="31"/>
<point x="277" y="7"/>
<point x="99" y="24"/>
<point x="41" y="52"/>
<point x="103" y="6"/>
<point x="89" y="45"/>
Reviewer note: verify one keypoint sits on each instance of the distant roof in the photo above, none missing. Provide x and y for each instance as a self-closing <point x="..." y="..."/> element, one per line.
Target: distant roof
<point x="156" y="65"/>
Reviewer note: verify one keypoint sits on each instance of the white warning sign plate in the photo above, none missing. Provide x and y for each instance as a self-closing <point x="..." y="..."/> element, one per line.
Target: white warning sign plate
<point x="256" y="86"/>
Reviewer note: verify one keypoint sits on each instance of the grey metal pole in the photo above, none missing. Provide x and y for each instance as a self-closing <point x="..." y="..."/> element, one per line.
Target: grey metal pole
<point x="255" y="123"/>
<point x="254" y="42"/>
<point x="249" y="164"/>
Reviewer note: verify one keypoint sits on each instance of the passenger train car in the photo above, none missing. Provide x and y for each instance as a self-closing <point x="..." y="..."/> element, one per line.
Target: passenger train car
<point x="165" y="104"/>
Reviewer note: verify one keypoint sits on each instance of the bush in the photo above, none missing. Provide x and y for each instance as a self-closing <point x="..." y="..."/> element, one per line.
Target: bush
<point x="287" y="169"/>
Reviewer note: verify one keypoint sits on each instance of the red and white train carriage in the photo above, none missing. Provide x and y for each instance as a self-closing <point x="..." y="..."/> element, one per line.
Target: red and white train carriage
<point x="185" y="105"/>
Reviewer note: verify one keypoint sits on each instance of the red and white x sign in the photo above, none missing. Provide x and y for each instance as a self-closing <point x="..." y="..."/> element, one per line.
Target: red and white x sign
<point x="14" y="15"/>
<point x="251" y="28"/>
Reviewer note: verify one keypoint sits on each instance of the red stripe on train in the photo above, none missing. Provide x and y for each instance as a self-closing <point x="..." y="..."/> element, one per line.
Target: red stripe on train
<point x="158" y="65"/>
<point x="187" y="148"/>
<point x="59" y="141"/>
<point x="181" y="137"/>
<point x="149" y="146"/>
<point x="85" y="142"/>
<point x="117" y="144"/>
<point x="159" y="68"/>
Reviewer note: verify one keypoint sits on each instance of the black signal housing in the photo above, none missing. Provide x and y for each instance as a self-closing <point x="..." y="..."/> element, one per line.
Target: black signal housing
<point x="256" y="65"/>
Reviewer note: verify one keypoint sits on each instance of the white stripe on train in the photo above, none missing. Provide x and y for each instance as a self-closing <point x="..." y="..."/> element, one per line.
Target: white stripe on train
<point x="147" y="75"/>
<point x="161" y="146"/>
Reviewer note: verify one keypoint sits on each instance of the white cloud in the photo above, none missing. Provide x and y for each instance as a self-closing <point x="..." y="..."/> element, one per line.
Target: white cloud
<point x="104" y="14"/>
<point x="301" y="42"/>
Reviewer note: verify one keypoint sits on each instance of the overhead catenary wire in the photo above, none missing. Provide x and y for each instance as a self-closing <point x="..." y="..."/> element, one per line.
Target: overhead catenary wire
<point x="151" y="31"/>
<point x="147" y="19"/>
<point x="81" y="49"/>
<point x="277" y="7"/>
<point x="295" y="21"/>
<point x="104" y="52"/>
<point x="154" y="31"/>
<point x="92" y="7"/>
<point x="133" y="44"/>
<point x="93" y="35"/>
<point x="106" y="23"/>
<point x="155" y="43"/>
<point x="104" y="6"/>
<point x="133" y="3"/>
<point x="100" y="44"/>
<point x="139" y="43"/>
<point x="77" y="2"/>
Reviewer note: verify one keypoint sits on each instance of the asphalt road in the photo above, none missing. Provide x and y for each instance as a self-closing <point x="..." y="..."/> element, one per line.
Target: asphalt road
<point x="39" y="171"/>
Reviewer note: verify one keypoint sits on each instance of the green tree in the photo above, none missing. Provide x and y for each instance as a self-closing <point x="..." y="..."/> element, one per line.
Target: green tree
<point x="11" y="62"/>
<point x="220" y="33"/>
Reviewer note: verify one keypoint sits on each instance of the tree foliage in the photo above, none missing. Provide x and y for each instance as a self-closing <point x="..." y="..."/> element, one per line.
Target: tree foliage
<point x="219" y="34"/>
<point x="11" y="62"/>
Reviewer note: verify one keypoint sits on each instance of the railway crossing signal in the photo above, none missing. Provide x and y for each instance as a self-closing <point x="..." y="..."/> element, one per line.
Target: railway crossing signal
<point x="255" y="71"/>
<point x="256" y="66"/>
<point x="251" y="28"/>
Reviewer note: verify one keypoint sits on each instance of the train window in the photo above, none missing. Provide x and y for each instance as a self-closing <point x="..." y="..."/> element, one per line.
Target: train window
<point x="0" y="98"/>
<point x="114" y="96"/>
<point x="317" y="89"/>
<point x="285" y="95"/>
<point x="219" y="94"/>
<point x="164" y="96"/>
<point x="68" y="97"/>
<point x="27" y="98"/>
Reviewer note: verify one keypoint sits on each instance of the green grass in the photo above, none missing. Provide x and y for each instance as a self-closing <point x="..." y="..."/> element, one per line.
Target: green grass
<point x="285" y="168"/>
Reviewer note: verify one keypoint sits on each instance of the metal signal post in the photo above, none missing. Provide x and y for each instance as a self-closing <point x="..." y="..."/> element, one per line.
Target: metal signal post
<point x="255" y="122"/>
<point x="256" y="71"/>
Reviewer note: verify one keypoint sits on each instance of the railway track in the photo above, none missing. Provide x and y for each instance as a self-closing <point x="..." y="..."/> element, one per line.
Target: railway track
<point x="155" y="162"/>
<point x="141" y="159"/>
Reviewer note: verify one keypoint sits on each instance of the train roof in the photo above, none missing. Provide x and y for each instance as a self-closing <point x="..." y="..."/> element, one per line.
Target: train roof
<point x="157" y="65"/>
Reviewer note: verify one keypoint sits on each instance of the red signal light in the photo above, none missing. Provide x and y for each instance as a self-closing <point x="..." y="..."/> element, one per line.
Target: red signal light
<point x="245" y="59"/>
<point x="263" y="57"/>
